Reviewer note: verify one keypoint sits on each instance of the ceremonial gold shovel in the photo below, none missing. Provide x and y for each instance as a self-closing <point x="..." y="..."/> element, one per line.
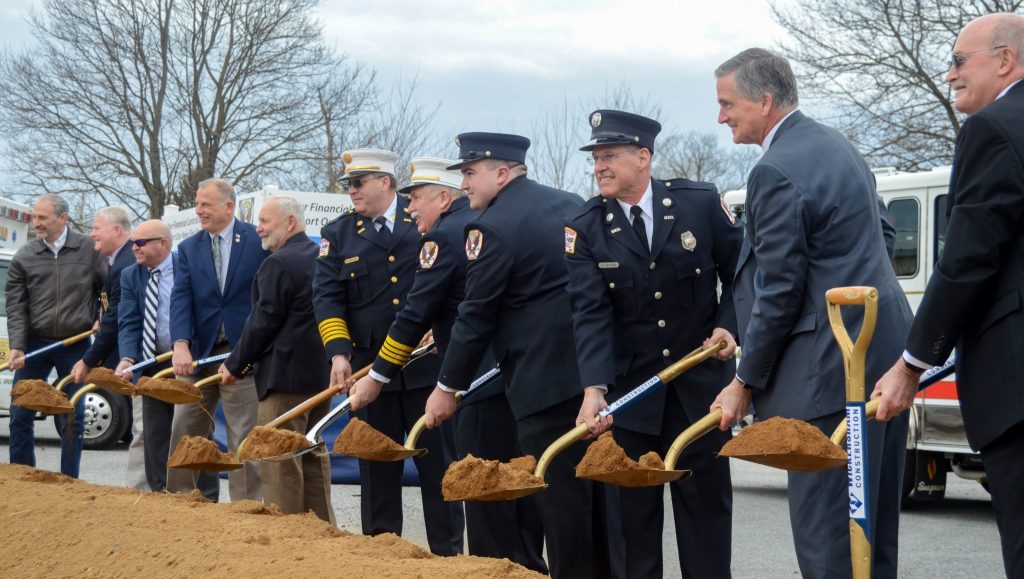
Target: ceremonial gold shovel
<point x="65" y="342"/>
<point x="177" y="391"/>
<point x="576" y="434"/>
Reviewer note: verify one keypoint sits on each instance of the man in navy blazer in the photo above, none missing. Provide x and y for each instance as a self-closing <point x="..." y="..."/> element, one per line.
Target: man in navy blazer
<point x="151" y="250"/>
<point x="814" y="223"/>
<point x="209" y="305"/>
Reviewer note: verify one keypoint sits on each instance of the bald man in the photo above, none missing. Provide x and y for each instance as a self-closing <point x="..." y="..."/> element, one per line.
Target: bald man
<point x="973" y="299"/>
<point x="151" y="245"/>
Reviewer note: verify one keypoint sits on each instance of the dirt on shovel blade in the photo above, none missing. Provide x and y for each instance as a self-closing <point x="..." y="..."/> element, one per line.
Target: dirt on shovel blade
<point x="44" y="399"/>
<point x="22" y="387"/>
<point x="173" y="391"/>
<point x="362" y="440"/>
<point x="784" y="443"/>
<point x="105" y="378"/>
<point x="266" y="442"/>
<point x="605" y="455"/>
<point x="198" y="453"/>
<point x="473" y="477"/>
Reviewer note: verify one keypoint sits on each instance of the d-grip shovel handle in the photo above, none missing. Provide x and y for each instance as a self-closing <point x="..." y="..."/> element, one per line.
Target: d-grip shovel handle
<point x="854" y="354"/>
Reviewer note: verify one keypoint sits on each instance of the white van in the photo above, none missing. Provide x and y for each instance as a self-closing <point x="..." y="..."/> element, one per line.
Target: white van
<point x="937" y="442"/>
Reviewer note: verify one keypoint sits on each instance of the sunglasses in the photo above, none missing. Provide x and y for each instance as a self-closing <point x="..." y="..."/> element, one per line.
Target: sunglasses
<point x="142" y="242"/>
<point x="357" y="182"/>
<point x="957" y="59"/>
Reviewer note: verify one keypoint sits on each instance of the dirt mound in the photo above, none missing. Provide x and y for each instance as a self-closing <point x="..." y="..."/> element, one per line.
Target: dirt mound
<point x="46" y="400"/>
<point x="472" y="477"/>
<point x="22" y="387"/>
<point x="605" y="455"/>
<point x="168" y="390"/>
<point x="44" y="476"/>
<point x="360" y="438"/>
<point x="85" y="530"/>
<point x="782" y="437"/>
<point x="105" y="378"/>
<point x="198" y="453"/>
<point x="264" y="442"/>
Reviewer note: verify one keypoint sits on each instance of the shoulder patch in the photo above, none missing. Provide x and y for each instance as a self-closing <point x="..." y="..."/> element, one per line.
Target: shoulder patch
<point x="728" y="213"/>
<point x="474" y="243"/>
<point x="428" y="254"/>
<point x="570" y="240"/>
<point x="325" y="247"/>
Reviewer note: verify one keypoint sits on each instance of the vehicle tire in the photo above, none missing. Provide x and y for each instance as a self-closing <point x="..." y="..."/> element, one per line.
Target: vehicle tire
<point x="909" y="473"/>
<point x="108" y="418"/>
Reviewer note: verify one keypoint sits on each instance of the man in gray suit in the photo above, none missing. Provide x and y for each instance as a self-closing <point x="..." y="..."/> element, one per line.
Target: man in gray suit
<point x="814" y="223"/>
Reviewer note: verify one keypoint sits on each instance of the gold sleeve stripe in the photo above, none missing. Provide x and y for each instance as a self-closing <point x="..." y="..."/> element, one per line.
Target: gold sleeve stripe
<point x="333" y="329"/>
<point x="395" y="352"/>
<point x="392" y="359"/>
<point x="389" y="341"/>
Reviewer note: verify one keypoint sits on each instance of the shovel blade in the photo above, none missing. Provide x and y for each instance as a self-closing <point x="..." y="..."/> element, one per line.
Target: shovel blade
<point x="214" y="466"/>
<point x="794" y="462"/>
<point x="47" y="409"/>
<point x="638" y="477"/>
<point x="504" y="494"/>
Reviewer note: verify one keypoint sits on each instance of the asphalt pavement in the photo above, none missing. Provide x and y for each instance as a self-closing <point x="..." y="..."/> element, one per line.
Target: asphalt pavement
<point x="954" y="537"/>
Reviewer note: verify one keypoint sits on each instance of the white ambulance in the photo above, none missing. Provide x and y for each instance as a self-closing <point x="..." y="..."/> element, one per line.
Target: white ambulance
<point x="937" y="443"/>
<point x="15" y="219"/>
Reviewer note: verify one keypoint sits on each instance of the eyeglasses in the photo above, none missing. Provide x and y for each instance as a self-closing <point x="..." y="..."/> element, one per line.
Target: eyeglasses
<point x="603" y="159"/>
<point x="956" y="60"/>
<point x="142" y="242"/>
<point x="357" y="182"/>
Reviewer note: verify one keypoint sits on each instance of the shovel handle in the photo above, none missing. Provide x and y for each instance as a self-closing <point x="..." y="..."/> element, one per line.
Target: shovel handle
<point x="555" y="448"/>
<point x="215" y="379"/>
<point x="306" y="406"/>
<point x="195" y="364"/>
<point x="82" y="392"/>
<point x="839" y="434"/>
<point x="688" y="436"/>
<point x="62" y="383"/>
<point x="854" y="354"/>
<point x="65" y="342"/>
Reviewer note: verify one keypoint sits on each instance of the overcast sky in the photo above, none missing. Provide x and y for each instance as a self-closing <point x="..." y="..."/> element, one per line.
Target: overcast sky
<point x="497" y="66"/>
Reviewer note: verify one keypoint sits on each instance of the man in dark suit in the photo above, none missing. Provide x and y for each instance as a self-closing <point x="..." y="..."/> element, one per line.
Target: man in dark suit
<point x="516" y="304"/>
<point x="151" y="248"/>
<point x="973" y="299"/>
<point x="814" y="223"/>
<point x="366" y="267"/>
<point x="485" y="427"/>
<point x="281" y="341"/>
<point x="645" y="258"/>
<point x="209" y="305"/>
<point x="111" y="230"/>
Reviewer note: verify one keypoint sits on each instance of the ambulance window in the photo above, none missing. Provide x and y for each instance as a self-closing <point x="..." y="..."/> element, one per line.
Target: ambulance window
<point x="941" y="221"/>
<point x="905" y="215"/>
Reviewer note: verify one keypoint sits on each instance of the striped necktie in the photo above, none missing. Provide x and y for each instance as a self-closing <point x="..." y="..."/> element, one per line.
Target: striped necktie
<point x="149" y="319"/>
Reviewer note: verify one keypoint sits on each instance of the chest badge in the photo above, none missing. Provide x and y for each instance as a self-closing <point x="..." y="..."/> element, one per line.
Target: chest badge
<point x="474" y="243"/>
<point x="570" y="240"/>
<point x="104" y="301"/>
<point x="666" y="202"/>
<point x="428" y="254"/>
<point x="609" y="217"/>
<point x="688" y="240"/>
<point x="325" y="247"/>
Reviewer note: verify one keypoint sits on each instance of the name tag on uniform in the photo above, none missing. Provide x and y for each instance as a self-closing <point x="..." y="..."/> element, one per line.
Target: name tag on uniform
<point x="669" y="217"/>
<point x="352" y="259"/>
<point x="608" y="264"/>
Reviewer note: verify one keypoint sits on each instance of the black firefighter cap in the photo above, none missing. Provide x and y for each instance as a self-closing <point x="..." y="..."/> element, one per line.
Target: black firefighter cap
<point x="621" y="128"/>
<point x="476" y="146"/>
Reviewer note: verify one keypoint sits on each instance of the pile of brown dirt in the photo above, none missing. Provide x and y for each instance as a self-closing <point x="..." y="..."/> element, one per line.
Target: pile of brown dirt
<point x="779" y="436"/>
<point x="168" y="390"/>
<point x="473" y="477"/>
<point x="22" y="387"/>
<point x="105" y="378"/>
<point x="44" y="399"/>
<point x="198" y="453"/>
<point x="266" y="442"/>
<point x="605" y="455"/>
<point x="359" y="438"/>
<point x="85" y="530"/>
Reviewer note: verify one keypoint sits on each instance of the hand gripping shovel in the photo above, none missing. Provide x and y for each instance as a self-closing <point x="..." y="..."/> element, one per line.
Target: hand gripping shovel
<point x="177" y="391"/>
<point x="566" y="440"/>
<point x="409" y="450"/>
<point x="65" y="342"/>
<point x="104" y="378"/>
<point x="648" y="477"/>
<point x="856" y="417"/>
<point x="314" y="437"/>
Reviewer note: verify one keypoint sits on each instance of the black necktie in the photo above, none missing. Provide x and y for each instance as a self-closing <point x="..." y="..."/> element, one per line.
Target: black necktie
<point x="382" y="230"/>
<point x="638" y="225"/>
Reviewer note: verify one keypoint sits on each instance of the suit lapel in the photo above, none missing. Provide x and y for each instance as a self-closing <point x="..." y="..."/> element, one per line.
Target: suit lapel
<point x="206" y="259"/>
<point x="403" y="223"/>
<point x="368" y="231"/>
<point x="619" y="229"/>
<point x="662" y="206"/>
<point x="239" y="242"/>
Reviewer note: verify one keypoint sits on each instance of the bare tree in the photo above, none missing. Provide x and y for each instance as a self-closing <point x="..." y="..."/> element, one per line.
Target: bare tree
<point x="404" y="125"/>
<point x="877" y="68"/>
<point x="136" y="101"/>
<point x="699" y="156"/>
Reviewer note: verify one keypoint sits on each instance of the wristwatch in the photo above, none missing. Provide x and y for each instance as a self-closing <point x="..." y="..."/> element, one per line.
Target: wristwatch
<point x="915" y="369"/>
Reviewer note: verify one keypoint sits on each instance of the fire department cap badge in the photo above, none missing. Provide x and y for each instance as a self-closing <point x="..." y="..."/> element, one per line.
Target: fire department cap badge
<point x="428" y="254"/>
<point x="688" y="240"/>
<point x="474" y="243"/>
<point x="570" y="240"/>
<point x="595" y="120"/>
